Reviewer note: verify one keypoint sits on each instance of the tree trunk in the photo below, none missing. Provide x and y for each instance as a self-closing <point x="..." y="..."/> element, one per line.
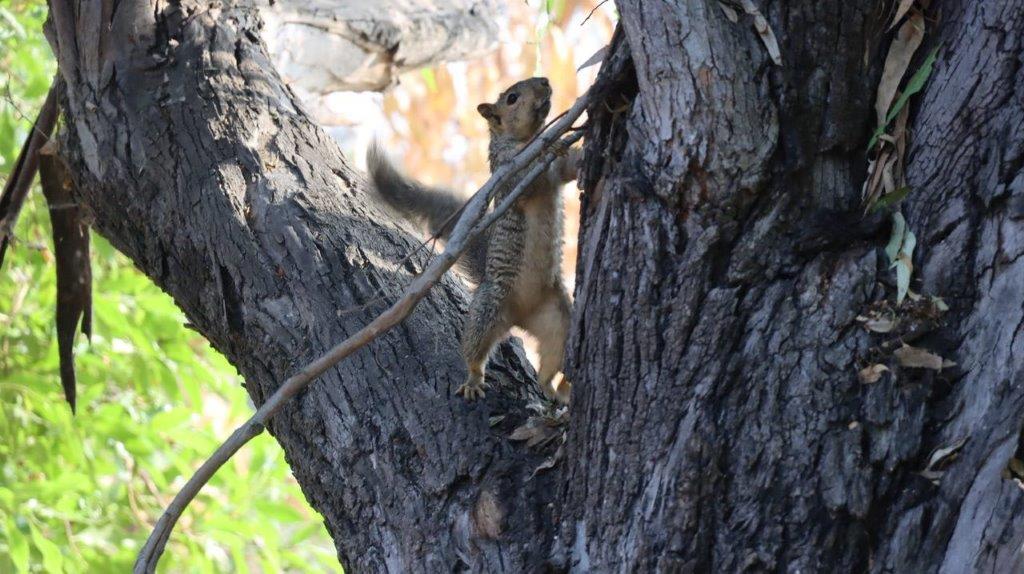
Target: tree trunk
<point x="718" y="423"/>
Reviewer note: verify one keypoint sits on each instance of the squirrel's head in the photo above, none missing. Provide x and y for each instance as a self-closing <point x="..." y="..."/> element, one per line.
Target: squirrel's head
<point x="520" y="111"/>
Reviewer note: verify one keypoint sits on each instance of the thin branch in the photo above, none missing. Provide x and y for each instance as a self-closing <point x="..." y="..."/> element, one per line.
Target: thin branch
<point x="20" y="182"/>
<point x="468" y="226"/>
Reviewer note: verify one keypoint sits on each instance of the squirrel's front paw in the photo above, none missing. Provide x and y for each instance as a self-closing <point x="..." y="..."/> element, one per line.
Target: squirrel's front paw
<point x="560" y="148"/>
<point x="473" y="388"/>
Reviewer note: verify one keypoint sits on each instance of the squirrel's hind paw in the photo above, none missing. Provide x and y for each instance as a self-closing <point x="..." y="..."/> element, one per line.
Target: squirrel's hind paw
<point x="473" y="388"/>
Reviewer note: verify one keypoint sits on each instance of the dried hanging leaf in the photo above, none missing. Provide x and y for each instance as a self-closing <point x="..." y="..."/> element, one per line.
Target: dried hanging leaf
<point x="901" y="10"/>
<point x="899" y="134"/>
<point x="551" y="462"/>
<point x="871" y="373"/>
<point x="918" y="358"/>
<point x="1014" y="469"/>
<point x="899" y="231"/>
<point x="901" y="254"/>
<point x="538" y="430"/>
<point x="764" y="30"/>
<point x="878" y="321"/>
<point x="873" y="186"/>
<point x="942" y="457"/>
<point x="902" y="50"/>
<point x="596" y="58"/>
<point x="915" y="84"/>
<point x="729" y="12"/>
<point x="524" y="432"/>
<point x="905" y="266"/>
<point x="880" y="325"/>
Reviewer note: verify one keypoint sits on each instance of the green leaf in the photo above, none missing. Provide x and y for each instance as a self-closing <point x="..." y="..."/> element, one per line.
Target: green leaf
<point x="901" y="254"/>
<point x="18" y="547"/>
<point x="891" y="198"/>
<point x="899" y="231"/>
<point x="430" y="78"/>
<point x="53" y="560"/>
<point x="914" y="86"/>
<point x="12" y="21"/>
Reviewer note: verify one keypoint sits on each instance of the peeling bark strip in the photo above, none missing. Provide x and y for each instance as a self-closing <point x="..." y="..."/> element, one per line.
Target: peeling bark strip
<point x="71" y="261"/>
<point x="718" y="423"/>
<point x="197" y="163"/>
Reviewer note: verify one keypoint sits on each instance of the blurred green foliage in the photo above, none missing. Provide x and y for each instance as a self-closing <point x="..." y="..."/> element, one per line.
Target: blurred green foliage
<point x="80" y="494"/>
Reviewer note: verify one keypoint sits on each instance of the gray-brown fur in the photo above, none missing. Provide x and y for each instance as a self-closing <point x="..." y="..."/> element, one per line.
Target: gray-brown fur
<point x="520" y="283"/>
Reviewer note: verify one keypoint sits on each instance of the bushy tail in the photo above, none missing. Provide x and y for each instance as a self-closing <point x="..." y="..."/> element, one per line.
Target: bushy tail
<point x="432" y="207"/>
<point x="425" y="205"/>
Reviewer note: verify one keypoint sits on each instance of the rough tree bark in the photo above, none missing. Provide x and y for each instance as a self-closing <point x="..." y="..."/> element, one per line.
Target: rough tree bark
<point x="717" y="424"/>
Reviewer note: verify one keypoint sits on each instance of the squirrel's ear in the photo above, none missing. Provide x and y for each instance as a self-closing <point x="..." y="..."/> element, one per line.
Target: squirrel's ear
<point x="489" y="112"/>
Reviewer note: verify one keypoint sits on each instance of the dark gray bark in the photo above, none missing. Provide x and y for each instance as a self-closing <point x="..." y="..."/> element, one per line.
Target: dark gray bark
<point x="718" y="423"/>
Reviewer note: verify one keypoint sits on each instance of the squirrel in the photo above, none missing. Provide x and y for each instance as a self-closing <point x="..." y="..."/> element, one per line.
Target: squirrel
<point x="517" y="265"/>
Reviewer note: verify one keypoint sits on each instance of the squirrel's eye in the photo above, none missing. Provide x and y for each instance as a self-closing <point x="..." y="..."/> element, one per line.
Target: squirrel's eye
<point x="511" y="99"/>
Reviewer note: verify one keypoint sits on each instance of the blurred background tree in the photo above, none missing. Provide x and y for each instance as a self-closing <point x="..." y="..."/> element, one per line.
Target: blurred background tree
<point x="80" y="494"/>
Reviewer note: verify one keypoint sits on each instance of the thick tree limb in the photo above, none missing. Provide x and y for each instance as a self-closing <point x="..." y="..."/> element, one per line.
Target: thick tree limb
<point x="20" y="179"/>
<point x="198" y="164"/>
<point x="466" y="228"/>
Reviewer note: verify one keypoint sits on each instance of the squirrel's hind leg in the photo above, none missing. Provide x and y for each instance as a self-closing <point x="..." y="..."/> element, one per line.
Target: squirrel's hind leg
<point x="549" y="323"/>
<point x="486" y="323"/>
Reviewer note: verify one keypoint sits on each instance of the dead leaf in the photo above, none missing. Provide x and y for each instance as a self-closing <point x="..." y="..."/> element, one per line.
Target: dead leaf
<point x="917" y="358"/>
<point x="899" y="134"/>
<point x="764" y="30"/>
<point x="729" y="12"/>
<point x="551" y="462"/>
<point x="942" y="457"/>
<point x="880" y="324"/>
<point x="873" y="186"/>
<point x="871" y="373"/>
<point x="900" y="12"/>
<point x="902" y="50"/>
<point x="596" y="58"/>
<point x="538" y="430"/>
<point x="1015" y="468"/>
<point x="523" y="432"/>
